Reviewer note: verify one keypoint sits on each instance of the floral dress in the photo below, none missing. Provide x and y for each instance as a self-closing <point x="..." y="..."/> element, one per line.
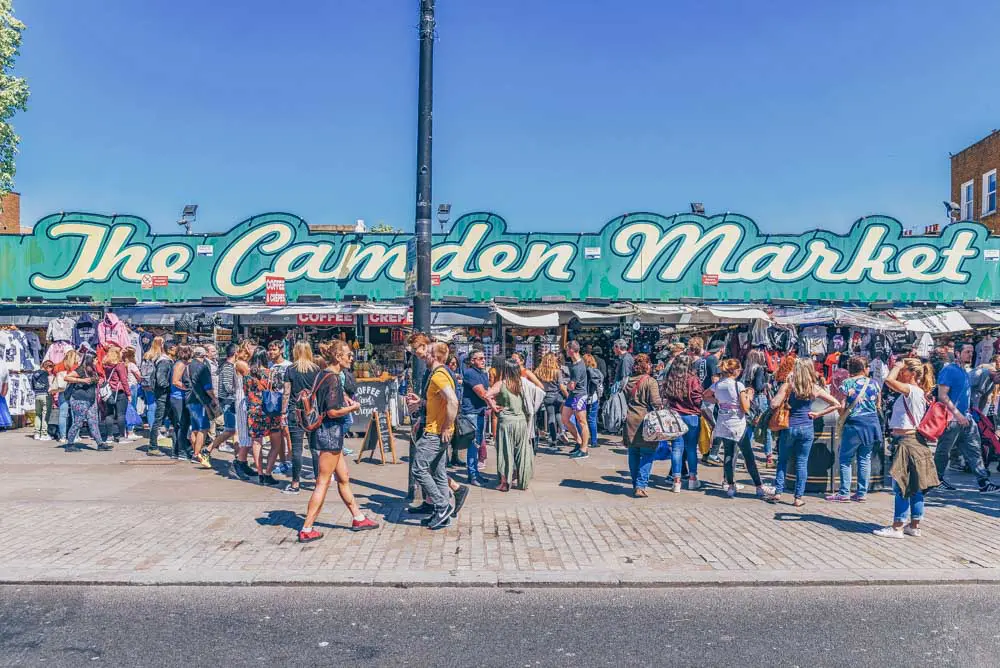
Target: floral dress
<point x="254" y="384"/>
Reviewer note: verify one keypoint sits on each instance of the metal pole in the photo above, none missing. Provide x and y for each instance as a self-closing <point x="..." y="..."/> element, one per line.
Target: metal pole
<point x="422" y="298"/>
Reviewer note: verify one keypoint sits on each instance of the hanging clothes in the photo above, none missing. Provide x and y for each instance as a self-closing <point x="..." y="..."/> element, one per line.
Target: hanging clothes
<point x="112" y="330"/>
<point x="57" y="351"/>
<point x="60" y="329"/>
<point x="11" y="349"/>
<point x="758" y="333"/>
<point x="85" y="331"/>
<point x="984" y="350"/>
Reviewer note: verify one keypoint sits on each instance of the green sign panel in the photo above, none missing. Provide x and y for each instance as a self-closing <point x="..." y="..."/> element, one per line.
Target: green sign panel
<point x="638" y="257"/>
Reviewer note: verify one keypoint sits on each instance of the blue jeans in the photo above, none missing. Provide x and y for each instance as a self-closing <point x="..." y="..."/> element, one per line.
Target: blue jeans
<point x="686" y="445"/>
<point x="149" y="399"/>
<point x="640" y="463"/>
<point x="860" y="436"/>
<point x="907" y="509"/>
<point x="800" y="437"/>
<point x="768" y="444"/>
<point x="63" y="415"/>
<point x="592" y="422"/>
<point x="472" y="452"/>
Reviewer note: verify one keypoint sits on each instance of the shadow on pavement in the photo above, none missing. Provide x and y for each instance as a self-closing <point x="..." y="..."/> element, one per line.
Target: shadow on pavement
<point x="840" y="524"/>
<point x="598" y="487"/>
<point x="289" y="520"/>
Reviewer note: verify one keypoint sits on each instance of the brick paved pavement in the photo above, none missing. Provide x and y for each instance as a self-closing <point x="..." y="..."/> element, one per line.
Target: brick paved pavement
<point x="120" y="517"/>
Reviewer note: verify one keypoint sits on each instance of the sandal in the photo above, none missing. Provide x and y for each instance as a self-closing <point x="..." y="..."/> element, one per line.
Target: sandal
<point x="503" y="487"/>
<point x="639" y="493"/>
<point x="798" y="503"/>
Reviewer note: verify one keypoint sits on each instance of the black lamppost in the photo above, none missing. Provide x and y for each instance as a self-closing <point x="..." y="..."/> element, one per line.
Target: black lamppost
<point x="422" y="296"/>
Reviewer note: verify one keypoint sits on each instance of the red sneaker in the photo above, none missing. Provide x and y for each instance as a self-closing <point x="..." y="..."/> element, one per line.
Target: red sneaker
<point x="309" y="536"/>
<point x="363" y="525"/>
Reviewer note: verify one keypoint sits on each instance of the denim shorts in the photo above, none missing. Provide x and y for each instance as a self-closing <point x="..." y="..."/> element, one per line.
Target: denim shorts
<point x="330" y="437"/>
<point x="229" y="417"/>
<point x="577" y="404"/>
<point x="199" y="420"/>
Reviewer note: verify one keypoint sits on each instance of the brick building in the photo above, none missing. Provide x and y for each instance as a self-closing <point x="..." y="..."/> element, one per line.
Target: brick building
<point x="10" y="214"/>
<point x="974" y="181"/>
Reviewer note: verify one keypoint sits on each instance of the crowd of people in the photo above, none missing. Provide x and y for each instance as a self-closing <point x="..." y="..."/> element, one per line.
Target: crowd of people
<point x="264" y="409"/>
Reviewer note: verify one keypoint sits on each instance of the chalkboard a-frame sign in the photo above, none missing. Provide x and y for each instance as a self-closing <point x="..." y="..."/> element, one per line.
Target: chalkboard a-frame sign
<point x="379" y="437"/>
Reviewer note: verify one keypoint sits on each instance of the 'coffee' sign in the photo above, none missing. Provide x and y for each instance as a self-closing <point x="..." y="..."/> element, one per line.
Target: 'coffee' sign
<point x="325" y="319"/>
<point x="274" y="291"/>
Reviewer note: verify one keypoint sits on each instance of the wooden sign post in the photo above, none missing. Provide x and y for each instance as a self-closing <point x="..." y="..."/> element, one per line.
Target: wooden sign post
<point x="377" y="437"/>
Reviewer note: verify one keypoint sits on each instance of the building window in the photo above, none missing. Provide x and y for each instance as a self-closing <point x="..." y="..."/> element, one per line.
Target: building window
<point x="989" y="192"/>
<point x="968" y="188"/>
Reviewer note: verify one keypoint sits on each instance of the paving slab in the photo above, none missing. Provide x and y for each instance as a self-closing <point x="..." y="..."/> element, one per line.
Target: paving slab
<point x="121" y="517"/>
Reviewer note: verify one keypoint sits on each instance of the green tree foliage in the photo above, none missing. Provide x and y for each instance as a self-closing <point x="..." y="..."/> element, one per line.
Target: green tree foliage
<point x="13" y="92"/>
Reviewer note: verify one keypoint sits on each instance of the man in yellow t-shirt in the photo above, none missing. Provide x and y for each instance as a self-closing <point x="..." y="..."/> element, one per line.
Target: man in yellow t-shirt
<point x="430" y="457"/>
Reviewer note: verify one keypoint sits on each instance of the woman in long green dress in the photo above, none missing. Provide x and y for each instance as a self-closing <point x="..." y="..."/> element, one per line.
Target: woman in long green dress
<point x="515" y="456"/>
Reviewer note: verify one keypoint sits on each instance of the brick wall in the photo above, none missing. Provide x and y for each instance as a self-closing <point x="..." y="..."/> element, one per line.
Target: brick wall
<point x="10" y="216"/>
<point x="970" y="165"/>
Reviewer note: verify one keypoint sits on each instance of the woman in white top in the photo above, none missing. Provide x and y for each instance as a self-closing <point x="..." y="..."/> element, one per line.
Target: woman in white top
<point x="731" y="423"/>
<point x="913" y="380"/>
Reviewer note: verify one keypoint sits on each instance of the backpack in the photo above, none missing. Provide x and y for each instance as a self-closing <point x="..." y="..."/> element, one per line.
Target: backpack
<point x="40" y="382"/>
<point x="163" y="369"/>
<point x="613" y="413"/>
<point x="147" y="373"/>
<point x="307" y="404"/>
<point x="595" y="382"/>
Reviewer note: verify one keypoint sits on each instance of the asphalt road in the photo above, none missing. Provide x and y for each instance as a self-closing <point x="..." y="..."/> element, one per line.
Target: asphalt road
<point x="776" y="627"/>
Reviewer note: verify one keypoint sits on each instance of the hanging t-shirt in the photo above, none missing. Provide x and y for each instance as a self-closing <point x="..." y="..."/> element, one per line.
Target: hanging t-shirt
<point x="60" y="329"/>
<point x="813" y="340"/>
<point x="984" y="350"/>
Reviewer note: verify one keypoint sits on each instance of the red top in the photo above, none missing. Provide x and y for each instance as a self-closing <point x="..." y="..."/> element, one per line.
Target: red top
<point x="690" y="403"/>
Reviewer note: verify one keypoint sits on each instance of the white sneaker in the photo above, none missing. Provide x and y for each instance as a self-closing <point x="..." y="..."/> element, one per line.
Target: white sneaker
<point x="731" y="491"/>
<point x="677" y="486"/>
<point x="888" y="532"/>
<point x="693" y="484"/>
<point x="225" y="447"/>
<point x="909" y="531"/>
<point x="44" y="437"/>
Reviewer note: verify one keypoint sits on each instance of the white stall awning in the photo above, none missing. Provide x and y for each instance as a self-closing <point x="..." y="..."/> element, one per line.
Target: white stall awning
<point x="933" y="322"/>
<point x="533" y="319"/>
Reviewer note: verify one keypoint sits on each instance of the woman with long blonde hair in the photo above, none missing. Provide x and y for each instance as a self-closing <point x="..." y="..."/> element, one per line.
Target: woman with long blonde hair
<point x="300" y="377"/>
<point x="913" y="380"/>
<point x="799" y="390"/>
<point x="69" y="363"/>
<point x="156" y="391"/>
<point x="548" y="373"/>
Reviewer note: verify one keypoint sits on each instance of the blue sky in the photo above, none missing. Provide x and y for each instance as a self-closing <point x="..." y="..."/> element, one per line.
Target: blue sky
<point x="557" y="116"/>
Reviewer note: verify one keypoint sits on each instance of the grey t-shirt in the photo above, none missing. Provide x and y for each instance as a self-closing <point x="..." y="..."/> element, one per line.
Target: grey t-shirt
<point x="625" y="365"/>
<point x="578" y="375"/>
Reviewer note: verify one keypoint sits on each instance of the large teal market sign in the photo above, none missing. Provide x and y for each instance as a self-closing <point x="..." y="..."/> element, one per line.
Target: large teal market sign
<point x="637" y="256"/>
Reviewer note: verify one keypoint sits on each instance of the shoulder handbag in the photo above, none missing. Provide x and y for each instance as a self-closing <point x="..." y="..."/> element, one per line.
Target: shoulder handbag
<point x="933" y="424"/>
<point x="271" y="398"/>
<point x="662" y="424"/>
<point x="780" y="416"/>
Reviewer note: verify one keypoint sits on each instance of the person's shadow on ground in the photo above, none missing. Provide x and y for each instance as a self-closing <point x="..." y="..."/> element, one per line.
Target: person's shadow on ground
<point x="621" y="490"/>
<point x="289" y="520"/>
<point x="840" y="524"/>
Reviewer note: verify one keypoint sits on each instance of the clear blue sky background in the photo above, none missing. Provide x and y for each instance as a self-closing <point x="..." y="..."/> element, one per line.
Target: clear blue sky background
<point x="556" y="115"/>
